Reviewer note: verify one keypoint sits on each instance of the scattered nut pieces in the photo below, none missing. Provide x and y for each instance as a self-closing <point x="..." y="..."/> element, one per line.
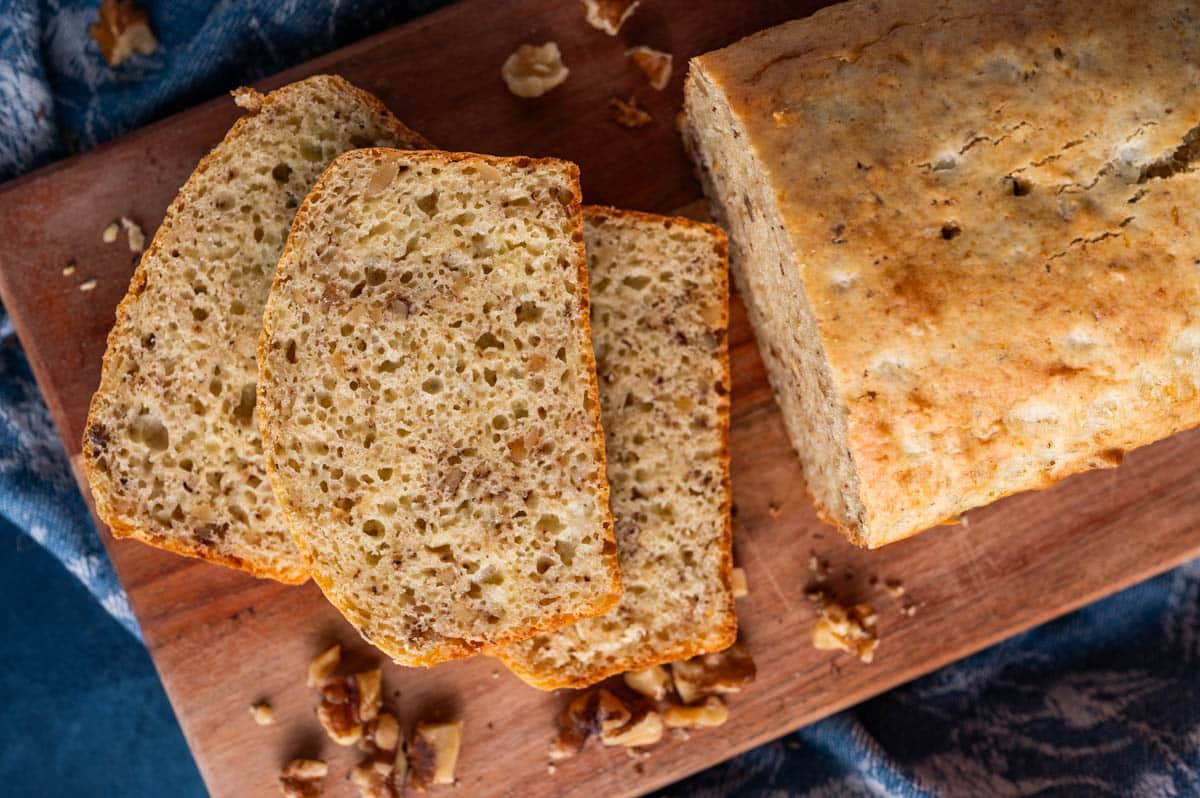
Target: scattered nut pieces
<point x="646" y="730"/>
<point x="652" y="682"/>
<point x="907" y="608"/>
<point x="655" y="65"/>
<point x="589" y="713"/>
<point x="262" y="713"/>
<point x="850" y="629"/>
<point x="122" y="30"/>
<point x="137" y="239"/>
<point x="609" y="15"/>
<point x="723" y="672"/>
<point x="894" y="588"/>
<point x="712" y="712"/>
<point x="627" y="114"/>
<point x="532" y="71"/>
<point x="738" y="579"/>
<point x="323" y="666"/>
<point x="88" y="285"/>
<point x="110" y="233"/>
<point x="434" y="754"/>
<point x="301" y="778"/>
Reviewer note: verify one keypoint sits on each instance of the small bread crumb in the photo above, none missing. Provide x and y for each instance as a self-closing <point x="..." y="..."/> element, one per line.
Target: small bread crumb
<point x="738" y="578"/>
<point x="609" y="15"/>
<point x="137" y="239"/>
<point x="262" y="713"/>
<point x="110" y="233"/>
<point x="627" y="114"/>
<point x="68" y="270"/>
<point x="88" y="285"/>
<point x="531" y="71"/>
<point x="818" y="567"/>
<point x="655" y="65"/>
<point x="894" y="587"/>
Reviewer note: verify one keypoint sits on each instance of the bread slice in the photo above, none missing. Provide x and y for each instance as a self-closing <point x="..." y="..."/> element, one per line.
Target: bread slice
<point x="428" y="401"/>
<point x="968" y="275"/>
<point x="171" y="449"/>
<point x="660" y="308"/>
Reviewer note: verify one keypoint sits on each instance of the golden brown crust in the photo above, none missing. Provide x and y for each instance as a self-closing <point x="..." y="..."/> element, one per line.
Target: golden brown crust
<point x="1002" y="277"/>
<point x="450" y="648"/>
<point x="104" y="503"/>
<point x="726" y="633"/>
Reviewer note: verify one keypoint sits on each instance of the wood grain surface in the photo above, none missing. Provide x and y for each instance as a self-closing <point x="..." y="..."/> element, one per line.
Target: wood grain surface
<point x="222" y="640"/>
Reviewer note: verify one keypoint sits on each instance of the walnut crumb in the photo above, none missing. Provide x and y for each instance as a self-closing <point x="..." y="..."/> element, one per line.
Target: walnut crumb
<point x="122" y="30"/>
<point x="627" y="114"/>
<point x="137" y="239"/>
<point x="609" y="15"/>
<point x="654" y="64"/>
<point x="323" y="665"/>
<point x="818" y="567"/>
<point x="88" y="285"/>
<point x="301" y="778"/>
<point x="712" y="712"/>
<point x="531" y="71"/>
<point x="653" y="682"/>
<point x="68" y="270"/>
<point x="262" y="713"/>
<point x="849" y="629"/>
<point x="894" y="588"/>
<point x="110" y="233"/>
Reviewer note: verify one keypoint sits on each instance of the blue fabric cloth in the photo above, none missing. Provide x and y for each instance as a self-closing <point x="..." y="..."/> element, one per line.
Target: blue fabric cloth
<point x="1103" y="702"/>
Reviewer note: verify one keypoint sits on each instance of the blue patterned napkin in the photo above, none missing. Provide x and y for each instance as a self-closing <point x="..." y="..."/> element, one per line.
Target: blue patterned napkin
<point x="1103" y="702"/>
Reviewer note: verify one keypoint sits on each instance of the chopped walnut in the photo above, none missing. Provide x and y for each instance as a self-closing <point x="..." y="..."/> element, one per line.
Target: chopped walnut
<point x="850" y="629"/>
<point x="323" y="666"/>
<point x="110" y="233"/>
<point x="382" y="733"/>
<point x="712" y="712"/>
<point x="589" y="713"/>
<point x="532" y="71"/>
<point x="655" y="65"/>
<point x="375" y="778"/>
<point x="122" y="30"/>
<point x="262" y="713"/>
<point x="652" y="682"/>
<point x="301" y="778"/>
<point x="609" y="15"/>
<point x="642" y="731"/>
<point x="368" y="685"/>
<point x="434" y="753"/>
<point x="723" y="672"/>
<point x="627" y="114"/>
<point x="339" y="710"/>
<point x="738" y="580"/>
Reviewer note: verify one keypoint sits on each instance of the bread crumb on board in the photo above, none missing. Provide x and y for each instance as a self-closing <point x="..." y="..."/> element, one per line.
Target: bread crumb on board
<point x="533" y="70"/>
<point x="122" y="30"/>
<point x="656" y="65"/>
<point x="627" y="114"/>
<point x="110" y="233"/>
<point x="133" y="231"/>
<point x="609" y="15"/>
<point x="88" y="285"/>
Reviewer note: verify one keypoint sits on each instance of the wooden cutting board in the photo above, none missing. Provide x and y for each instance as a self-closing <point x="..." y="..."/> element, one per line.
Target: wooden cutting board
<point x="222" y="640"/>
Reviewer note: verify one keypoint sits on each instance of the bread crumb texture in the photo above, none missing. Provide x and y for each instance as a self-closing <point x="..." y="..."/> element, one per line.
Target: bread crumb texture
<point x="968" y="240"/>
<point x="429" y="401"/>
<point x="659" y="314"/>
<point x="171" y="448"/>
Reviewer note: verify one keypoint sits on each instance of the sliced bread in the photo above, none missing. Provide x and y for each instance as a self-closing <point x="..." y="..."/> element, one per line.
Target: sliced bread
<point x="660" y="304"/>
<point x="171" y="449"/>
<point x="428" y="404"/>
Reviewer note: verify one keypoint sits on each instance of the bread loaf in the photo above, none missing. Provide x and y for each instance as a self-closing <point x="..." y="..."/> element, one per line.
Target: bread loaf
<point x="171" y="450"/>
<point x="967" y="238"/>
<point x="660" y="305"/>
<point x="428" y="401"/>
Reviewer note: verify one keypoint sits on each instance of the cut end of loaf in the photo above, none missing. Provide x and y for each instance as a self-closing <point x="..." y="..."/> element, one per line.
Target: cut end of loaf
<point x="660" y="313"/>
<point x="428" y="399"/>
<point x="171" y="449"/>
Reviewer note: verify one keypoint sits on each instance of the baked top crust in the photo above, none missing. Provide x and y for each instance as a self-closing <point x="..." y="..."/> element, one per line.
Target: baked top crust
<point x="993" y="212"/>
